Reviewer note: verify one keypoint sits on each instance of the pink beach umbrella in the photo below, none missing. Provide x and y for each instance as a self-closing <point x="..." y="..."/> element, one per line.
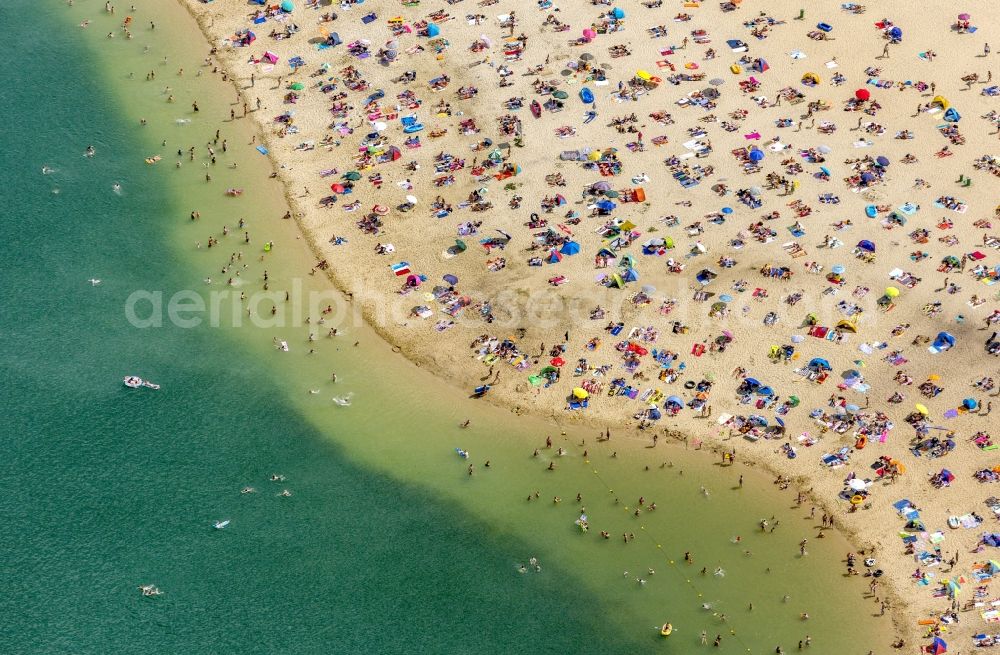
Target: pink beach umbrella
<point x="589" y="34"/>
<point x="964" y="17"/>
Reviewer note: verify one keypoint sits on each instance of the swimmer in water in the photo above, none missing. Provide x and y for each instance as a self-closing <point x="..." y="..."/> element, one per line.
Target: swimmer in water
<point x="89" y="152"/>
<point x="48" y="170"/>
<point x="247" y="490"/>
<point x="719" y="571"/>
<point x="704" y="492"/>
<point x="117" y="188"/>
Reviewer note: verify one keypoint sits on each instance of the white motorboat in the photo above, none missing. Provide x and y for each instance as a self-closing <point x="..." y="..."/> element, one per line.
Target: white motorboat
<point x="134" y="382"/>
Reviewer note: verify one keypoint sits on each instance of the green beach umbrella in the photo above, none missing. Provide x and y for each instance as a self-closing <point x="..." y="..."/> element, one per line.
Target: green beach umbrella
<point x="352" y="175"/>
<point x="297" y="86"/>
<point x="460" y="245"/>
<point x="561" y="95"/>
<point x="287" y="6"/>
<point x="611" y="193"/>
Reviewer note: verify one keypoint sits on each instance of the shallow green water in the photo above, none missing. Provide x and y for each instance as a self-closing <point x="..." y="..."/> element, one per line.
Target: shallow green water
<point x="387" y="545"/>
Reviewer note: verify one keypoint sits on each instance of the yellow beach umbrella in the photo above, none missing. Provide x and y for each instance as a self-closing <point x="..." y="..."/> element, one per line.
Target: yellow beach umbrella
<point x="920" y="408"/>
<point x="934" y="376"/>
<point x="644" y="75"/>
<point x="892" y="292"/>
<point x="580" y="393"/>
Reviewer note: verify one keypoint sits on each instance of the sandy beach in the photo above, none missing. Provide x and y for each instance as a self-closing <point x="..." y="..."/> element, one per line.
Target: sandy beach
<point x="761" y="233"/>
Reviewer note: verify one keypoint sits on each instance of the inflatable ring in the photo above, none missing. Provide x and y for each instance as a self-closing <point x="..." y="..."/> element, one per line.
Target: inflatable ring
<point x="689" y="384"/>
<point x="857" y="499"/>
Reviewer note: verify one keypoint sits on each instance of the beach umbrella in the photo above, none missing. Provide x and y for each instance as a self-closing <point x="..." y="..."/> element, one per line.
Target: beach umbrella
<point x="716" y="81"/>
<point x="856" y="484"/>
<point x="896" y="33"/>
<point x="336" y="187"/>
<point x="838" y="269"/>
<point x="882" y="161"/>
<point x="648" y="288"/>
<point x="756" y="191"/>
<point x="862" y="94"/>
<point x="727" y="210"/>
<point x="852" y="408"/>
<point x="580" y="392"/>
<point x="557" y="361"/>
<point x="589" y="34"/>
<point x="570" y="248"/>
<point x="287" y="6"/>
<point x="565" y="72"/>
<point x="411" y="199"/>
<point x="460" y="245"/>
<point x="767" y="392"/>
<point x="751" y="382"/>
<point x="891" y="292"/>
<point x="718" y="306"/>
<point x="611" y="194"/>
<point x="920" y="408"/>
<point x="450" y="279"/>
<point x="756" y="154"/>
<point x="970" y="403"/>
<point x="866" y="245"/>
<point x="964" y="16"/>
<point x="726" y="298"/>
<point x="296" y="86"/>
<point x="826" y="150"/>
<point x="560" y="95"/>
<point x="618" y="13"/>
<point x="381" y="210"/>
<point x="820" y="363"/>
<point x="379" y="126"/>
<point x="433" y="30"/>
<point x="352" y="175"/>
<point x="586" y="56"/>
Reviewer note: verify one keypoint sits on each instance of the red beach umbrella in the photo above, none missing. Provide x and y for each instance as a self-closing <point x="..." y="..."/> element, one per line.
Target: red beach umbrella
<point x="862" y="94"/>
<point x="337" y="188"/>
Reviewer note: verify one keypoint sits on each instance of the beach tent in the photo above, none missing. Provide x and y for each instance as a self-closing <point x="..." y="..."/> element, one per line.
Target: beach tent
<point x="938" y="646"/>
<point x="604" y="252"/>
<point x="616" y="281"/>
<point x="628" y="261"/>
<point x="433" y="30"/>
<point x="820" y="364"/>
<point x="941" y="102"/>
<point x="811" y="77"/>
<point x="866" y="245"/>
<point x="674" y="401"/>
<point x="653" y="414"/>
<point x="630" y="275"/>
<point x="753" y="383"/>
<point x="760" y="65"/>
<point x="555" y="257"/>
<point x="952" y="116"/>
<point x="847" y="326"/>
<point x="570" y="248"/>
<point x="944" y="341"/>
<point x="450" y="279"/>
<point x="767" y="392"/>
<point x="270" y="57"/>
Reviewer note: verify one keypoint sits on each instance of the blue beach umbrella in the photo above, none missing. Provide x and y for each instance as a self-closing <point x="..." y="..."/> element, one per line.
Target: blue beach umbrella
<point x="287" y="6"/>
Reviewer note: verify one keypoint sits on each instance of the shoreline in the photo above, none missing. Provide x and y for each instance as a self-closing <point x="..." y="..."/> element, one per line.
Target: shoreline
<point x="904" y="616"/>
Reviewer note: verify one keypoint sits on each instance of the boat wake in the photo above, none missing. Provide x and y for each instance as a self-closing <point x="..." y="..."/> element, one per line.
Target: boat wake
<point x="344" y="401"/>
